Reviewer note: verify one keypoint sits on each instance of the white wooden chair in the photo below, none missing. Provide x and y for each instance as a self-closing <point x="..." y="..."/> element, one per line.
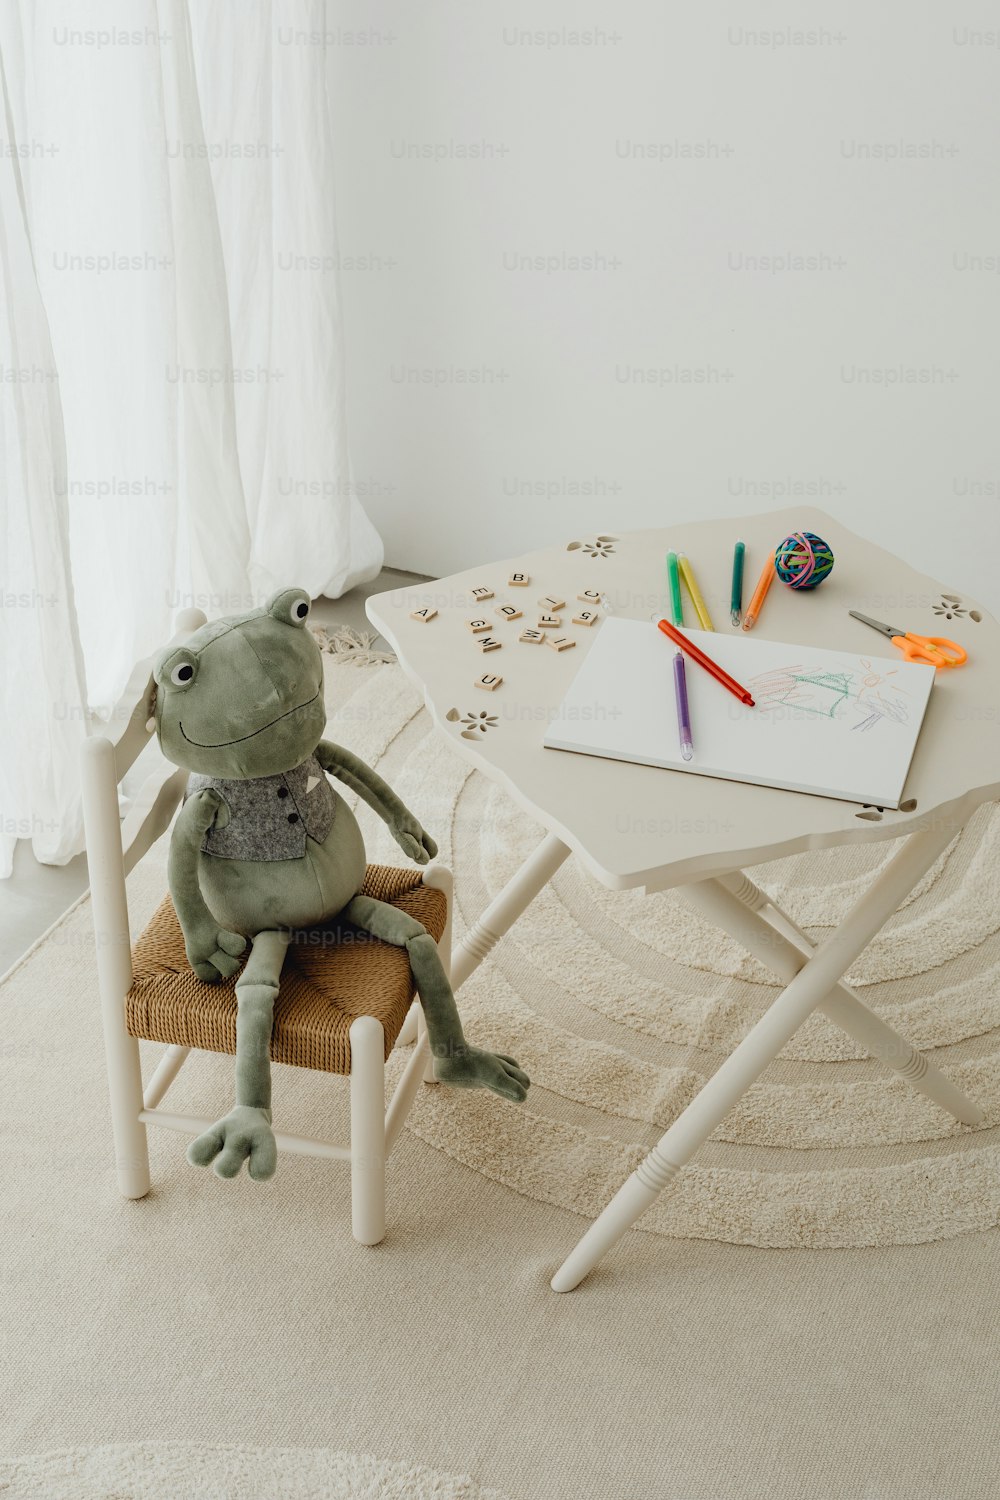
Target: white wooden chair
<point x="113" y="850"/>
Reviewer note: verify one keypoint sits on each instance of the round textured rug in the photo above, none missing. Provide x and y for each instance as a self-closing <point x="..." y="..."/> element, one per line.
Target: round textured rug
<point x="199" y="1471"/>
<point x="621" y="1004"/>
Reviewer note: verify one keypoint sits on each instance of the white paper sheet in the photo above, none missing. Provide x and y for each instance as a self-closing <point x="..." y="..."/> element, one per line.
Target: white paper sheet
<point x="833" y="723"/>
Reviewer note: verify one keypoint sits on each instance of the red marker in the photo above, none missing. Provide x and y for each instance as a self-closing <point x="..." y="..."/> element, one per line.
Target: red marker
<point x="696" y="654"/>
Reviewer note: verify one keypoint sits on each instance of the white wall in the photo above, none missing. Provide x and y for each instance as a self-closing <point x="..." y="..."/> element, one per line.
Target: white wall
<point x="798" y="152"/>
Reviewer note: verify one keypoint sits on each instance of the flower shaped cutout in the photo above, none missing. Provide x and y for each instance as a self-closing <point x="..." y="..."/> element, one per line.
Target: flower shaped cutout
<point x="602" y="546"/>
<point x="475" y="724"/>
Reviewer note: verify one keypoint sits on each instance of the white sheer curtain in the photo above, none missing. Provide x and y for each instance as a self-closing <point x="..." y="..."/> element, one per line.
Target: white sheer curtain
<point x="169" y="260"/>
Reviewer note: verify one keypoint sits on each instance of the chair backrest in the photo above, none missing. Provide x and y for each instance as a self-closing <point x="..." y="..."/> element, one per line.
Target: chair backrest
<point x="114" y="848"/>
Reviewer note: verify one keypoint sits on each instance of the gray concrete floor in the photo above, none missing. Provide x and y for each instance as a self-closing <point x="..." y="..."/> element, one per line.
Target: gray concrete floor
<point x="36" y="895"/>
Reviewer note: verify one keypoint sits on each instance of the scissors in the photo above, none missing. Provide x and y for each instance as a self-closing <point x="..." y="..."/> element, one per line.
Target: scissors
<point x="933" y="649"/>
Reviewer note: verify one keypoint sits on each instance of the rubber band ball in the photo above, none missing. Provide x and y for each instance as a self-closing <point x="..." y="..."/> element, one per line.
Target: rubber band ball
<point x="803" y="560"/>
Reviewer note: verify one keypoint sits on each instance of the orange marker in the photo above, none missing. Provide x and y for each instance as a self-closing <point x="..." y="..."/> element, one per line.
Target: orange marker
<point x="704" y="660"/>
<point x="759" y="595"/>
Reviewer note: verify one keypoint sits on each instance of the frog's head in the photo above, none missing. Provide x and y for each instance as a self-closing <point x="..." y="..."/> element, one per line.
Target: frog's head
<point x="243" y="696"/>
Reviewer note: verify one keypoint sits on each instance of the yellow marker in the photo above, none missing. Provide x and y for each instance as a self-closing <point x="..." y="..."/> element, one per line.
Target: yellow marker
<point x="700" y="607"/>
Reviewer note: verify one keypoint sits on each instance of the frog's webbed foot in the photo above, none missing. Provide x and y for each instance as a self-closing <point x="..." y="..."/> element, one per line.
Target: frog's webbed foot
<point x="474" y="1068"/>
<point x="244" y="1135"/>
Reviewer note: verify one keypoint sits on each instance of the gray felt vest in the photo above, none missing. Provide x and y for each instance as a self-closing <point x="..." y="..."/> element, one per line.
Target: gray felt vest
<point x="270" y="816"/>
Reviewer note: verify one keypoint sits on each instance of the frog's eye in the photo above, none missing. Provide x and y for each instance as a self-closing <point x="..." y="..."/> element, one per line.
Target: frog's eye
<point x="178" y="670"/>
<point x="291" y="606"/>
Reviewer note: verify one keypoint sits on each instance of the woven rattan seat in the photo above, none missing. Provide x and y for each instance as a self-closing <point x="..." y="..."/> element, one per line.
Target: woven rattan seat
<point x="331" y="976"/>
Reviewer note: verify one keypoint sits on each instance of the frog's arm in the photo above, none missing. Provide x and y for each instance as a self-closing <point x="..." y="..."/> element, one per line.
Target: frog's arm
<point x="370" y="787"/>
<point x="212" y="952"/>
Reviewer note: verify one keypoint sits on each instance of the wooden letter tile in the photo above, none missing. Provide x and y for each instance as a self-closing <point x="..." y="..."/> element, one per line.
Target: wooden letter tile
<point x="478" y="626"/>
<point x="490" y="681"/>
<point x="487" y="643"/>
<point x="549" y="622"/>
<point x="532" y="637"/>
<point x="518" y="581"/>
<point x="586" y="617"/>
<point x="552" y="603"/>
<point x="481" y="594"/>
<point x="423" y="614"/>
<point x="590" y="596"/>
<point x="559" y="642"/>
<point x="508" y="612"/>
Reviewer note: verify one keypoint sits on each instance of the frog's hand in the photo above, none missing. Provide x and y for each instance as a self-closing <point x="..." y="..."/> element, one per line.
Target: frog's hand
<point x="213" y="953"/>
<point x="369" y="786"/>
<point x="414" y="841"/>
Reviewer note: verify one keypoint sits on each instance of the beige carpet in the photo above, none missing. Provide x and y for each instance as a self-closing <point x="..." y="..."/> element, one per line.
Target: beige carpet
<point x="215" y="1331"/>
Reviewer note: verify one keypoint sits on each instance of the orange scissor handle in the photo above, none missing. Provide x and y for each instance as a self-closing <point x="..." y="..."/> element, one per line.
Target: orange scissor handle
<point x="936" y="650"/>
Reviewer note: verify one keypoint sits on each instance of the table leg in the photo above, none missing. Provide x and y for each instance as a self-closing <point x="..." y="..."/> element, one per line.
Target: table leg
<point x="809" y="987"/>
<point x="505" y="908"/>
<point x="737" y="905"/>
<point x="498" y="918"/>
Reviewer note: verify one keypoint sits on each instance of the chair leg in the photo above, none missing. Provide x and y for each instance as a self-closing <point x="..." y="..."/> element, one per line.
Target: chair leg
<point x="125" y="1088"/>
<point x="421" y="1033"/>
<point x="410" y="1029"/>
<point x="439" y="878"/>
<point x="367" y="1130"/>
<point x="114" y="961"/>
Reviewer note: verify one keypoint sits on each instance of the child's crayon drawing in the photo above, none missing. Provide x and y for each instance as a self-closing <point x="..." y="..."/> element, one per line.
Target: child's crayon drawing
<point x="865" y="692"/>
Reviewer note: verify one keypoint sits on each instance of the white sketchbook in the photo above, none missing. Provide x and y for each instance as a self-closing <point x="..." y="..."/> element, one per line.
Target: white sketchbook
<point x="834" y="723"/>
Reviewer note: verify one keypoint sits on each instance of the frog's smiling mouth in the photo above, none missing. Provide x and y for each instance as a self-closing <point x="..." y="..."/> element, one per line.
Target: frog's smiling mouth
<point x="221" y="744"/>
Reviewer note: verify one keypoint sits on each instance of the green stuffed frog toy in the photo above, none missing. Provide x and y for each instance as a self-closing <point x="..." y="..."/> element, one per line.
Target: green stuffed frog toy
<point x="264" y="846"/>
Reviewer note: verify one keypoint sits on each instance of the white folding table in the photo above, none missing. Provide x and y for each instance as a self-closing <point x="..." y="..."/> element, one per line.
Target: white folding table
<point x="600" y="810"/>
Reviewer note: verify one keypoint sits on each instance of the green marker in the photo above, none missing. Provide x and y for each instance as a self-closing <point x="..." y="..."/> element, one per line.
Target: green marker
<point x="674" y="578"/>
<point x="736" y="599"/>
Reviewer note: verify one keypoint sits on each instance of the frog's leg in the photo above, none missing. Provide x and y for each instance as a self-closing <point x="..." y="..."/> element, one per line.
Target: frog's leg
<point x="455" y="1061"/>
<point x="245" y="1134"/>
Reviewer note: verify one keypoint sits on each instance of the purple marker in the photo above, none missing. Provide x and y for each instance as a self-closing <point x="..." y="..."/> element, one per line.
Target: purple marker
<point x="683" y="712"/>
